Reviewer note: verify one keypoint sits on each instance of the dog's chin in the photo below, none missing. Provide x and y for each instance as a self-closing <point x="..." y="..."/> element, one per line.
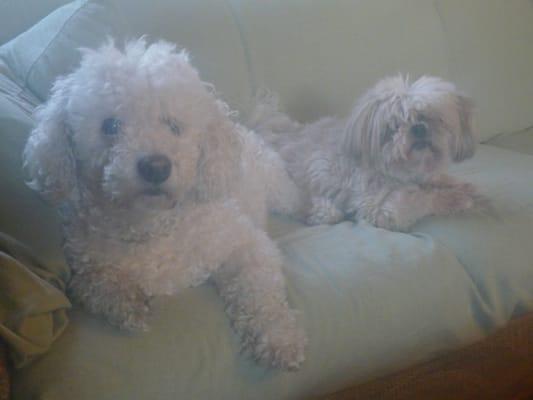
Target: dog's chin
<point x="417" y="163"/>
<point x="425" y="159"/>
<point x="154" y="199"/>
<point x="146" y="199"/>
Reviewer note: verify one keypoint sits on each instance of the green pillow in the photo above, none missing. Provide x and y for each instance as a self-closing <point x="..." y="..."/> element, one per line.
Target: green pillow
<point x="50" y="48"/>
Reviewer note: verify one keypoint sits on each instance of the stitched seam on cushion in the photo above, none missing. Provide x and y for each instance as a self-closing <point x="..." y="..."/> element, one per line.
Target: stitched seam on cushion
<point x="30" y="70"/>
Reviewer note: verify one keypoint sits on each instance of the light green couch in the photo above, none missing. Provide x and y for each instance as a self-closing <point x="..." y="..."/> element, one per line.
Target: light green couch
<point x="372" y="301"/>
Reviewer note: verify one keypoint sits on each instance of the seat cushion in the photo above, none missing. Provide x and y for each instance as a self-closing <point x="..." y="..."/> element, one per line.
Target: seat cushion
<point x="372" y="302"/>
<point x="521" y="142"/>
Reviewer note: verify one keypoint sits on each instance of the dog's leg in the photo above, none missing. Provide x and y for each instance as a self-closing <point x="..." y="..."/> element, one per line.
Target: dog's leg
<point x="402" y="207"/>
<point x="107" y="292"/>
<point x="252" y="285"/>
<point x="246" y="267"/>
<point x="446" y="181"/>
<point x="480" y="202"/>
<point x="321" y="210"/>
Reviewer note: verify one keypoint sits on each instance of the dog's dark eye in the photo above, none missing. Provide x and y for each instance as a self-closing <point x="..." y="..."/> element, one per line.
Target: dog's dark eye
<point x="173" y="125"/>
<point x="111" y="126"/>
<point x="389" y="133"/>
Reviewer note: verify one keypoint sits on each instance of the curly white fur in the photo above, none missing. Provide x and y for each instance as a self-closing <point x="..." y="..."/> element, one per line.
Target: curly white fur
<point x="197" y="211"/>
<point x="386" y="162"/>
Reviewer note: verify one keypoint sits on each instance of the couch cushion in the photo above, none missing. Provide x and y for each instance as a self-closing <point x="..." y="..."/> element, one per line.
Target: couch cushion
<point x="50" y="48"/>
<point x="321" y="57"/>
<point x="521" y="142"/>
<point x="22" y="213"/>
<point x="489" y="55"/>
<point x="17" y="16"/>
<point x="372" y="301"/>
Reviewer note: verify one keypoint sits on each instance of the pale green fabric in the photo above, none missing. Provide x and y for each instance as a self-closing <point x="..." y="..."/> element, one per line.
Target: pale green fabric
<point x="32" y="302"/>
<point x="520" y="141"/>
<point x="50" y="48"/>
<point x="19" y="15"/>
<point x="205" y="27"/>
<point x="319" y="55"/>
<point x="22" y="213"/>
<point x="372" y="301"/>
<point x="490" y="56"/>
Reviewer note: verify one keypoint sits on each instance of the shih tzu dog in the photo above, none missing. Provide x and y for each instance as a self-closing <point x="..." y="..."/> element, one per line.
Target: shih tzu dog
<point x="386" y="163"/>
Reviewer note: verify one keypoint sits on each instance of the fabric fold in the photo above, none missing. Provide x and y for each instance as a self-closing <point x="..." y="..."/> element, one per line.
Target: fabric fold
<point x="33" y="304"/>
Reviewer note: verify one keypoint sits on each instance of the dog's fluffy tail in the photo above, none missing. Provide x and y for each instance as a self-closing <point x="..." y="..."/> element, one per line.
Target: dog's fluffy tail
<point x="267" y="120"/>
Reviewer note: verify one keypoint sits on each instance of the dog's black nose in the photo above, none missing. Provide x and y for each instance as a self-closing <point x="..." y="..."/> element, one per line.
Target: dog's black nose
<point x="419" y="131"/>
<point x="154" y="168"/>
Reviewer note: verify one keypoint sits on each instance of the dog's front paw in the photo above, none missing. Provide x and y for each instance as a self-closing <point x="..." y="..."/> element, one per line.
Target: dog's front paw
<point x="125" y="307"/>
<point x="385" y="220"/>
<point x="130" y="312"/>
<point x="281" y="344"/>
<point x="457" y="199"/>
<point x="323" y="211"/>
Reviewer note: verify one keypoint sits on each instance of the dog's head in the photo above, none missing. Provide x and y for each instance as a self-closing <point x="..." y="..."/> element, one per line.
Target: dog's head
<point x="130" y="127"/>
<point x="410" y="131"/>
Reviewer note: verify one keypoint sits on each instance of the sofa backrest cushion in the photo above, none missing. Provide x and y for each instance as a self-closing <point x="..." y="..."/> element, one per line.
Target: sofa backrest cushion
<point x="318" y="55"/>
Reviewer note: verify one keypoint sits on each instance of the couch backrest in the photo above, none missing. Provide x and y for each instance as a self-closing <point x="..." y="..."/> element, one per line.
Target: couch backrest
<point x="321" y="54"/>
<point x="18" y="15"/>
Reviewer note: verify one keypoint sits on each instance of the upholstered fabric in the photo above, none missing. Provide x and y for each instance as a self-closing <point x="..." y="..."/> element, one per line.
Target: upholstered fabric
<point x="372" y="301"/>
<point x="318" y="55"/>
<point x="50" y="48"/>
<point x="32" y="303"/>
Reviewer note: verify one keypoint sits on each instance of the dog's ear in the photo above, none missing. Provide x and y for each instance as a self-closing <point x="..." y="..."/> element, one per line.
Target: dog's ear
<point x="48" y="159"/>
<point x="463" y="142"/>
<point x="361" y="133"/>
<point x="220" y="160"/>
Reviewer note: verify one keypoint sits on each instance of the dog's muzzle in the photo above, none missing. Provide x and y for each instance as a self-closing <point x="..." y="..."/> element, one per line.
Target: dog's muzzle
<point x="155" y="168"/>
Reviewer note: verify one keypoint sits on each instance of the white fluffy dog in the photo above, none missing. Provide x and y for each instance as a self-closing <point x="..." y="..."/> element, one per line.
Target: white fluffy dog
<point x="385" y="164"/>
<point x="159" y="190"/>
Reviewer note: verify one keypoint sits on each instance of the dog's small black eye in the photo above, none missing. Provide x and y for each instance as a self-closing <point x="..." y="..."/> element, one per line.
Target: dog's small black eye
<point x="111" y="126"/>
<point x="389" y="133"/>
<point x="172" y="125"/>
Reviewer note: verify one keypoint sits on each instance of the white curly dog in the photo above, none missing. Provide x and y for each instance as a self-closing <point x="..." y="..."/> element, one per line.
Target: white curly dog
<point x="386" y="162"/>
<point x="159" y="190"/>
